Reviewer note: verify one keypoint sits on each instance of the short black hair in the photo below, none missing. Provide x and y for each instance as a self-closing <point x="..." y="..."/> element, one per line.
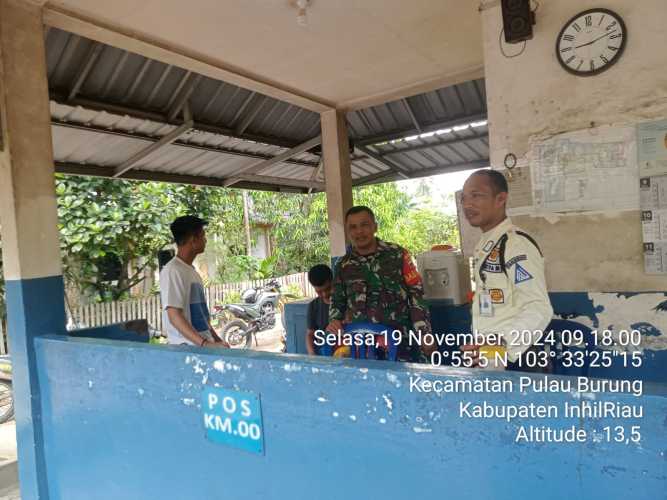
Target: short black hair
<point x="496" y="179"/>
<point x="319" y="275"/>
<point x="357" y="210"/>
<point x="185" y="227"/>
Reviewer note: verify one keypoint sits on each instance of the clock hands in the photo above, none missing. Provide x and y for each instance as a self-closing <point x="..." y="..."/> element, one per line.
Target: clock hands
<point x="593" y="41"/>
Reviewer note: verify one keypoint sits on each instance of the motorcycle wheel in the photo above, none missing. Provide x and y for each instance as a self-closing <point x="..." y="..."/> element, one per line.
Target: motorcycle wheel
<point x="236" y="334"/>
<point x="6" y="402"/>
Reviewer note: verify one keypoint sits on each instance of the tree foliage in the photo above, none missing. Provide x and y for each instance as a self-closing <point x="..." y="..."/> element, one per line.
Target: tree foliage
<point x="301" y="226"/>
<point x="103" y="219"/>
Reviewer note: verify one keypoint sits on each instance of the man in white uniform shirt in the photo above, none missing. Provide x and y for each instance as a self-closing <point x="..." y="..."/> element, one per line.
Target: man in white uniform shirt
<point x="185" y="315"/>
<point x="510" y="292"/>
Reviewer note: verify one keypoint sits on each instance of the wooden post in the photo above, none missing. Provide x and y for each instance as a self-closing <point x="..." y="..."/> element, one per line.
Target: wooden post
<point x="338" y="176"/>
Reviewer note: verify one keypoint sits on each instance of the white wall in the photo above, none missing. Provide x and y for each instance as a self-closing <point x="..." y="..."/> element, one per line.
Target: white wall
<point x="532" y="96"/>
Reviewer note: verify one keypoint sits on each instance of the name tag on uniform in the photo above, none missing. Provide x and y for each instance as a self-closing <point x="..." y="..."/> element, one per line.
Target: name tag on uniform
<point x="485" y="304"/>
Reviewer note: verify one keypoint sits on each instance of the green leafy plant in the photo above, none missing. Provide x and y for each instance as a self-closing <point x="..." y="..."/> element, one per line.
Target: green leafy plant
<point x="129" y="221"/>
<point x="266" y="268"/>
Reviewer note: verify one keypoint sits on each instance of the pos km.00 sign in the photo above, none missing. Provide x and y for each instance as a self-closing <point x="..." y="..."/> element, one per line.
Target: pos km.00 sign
<point x="233" y="418"/>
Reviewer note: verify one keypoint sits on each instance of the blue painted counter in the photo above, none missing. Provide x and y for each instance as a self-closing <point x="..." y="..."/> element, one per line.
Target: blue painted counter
<point x="333" y="429"/>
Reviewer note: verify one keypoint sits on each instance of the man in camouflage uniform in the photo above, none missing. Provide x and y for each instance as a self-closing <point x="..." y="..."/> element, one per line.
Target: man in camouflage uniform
<point x="378" y="282"/>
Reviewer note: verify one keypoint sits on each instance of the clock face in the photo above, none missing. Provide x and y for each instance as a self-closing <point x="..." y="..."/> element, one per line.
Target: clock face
<point x="591" y="42"/>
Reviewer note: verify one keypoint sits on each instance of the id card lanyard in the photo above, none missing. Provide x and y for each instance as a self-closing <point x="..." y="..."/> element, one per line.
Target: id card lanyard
<point x="485" y="303"/>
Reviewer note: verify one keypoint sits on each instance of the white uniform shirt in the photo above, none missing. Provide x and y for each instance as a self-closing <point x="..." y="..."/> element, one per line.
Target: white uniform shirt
<point x="519" y="299"/>
<point x="182" y="287"/>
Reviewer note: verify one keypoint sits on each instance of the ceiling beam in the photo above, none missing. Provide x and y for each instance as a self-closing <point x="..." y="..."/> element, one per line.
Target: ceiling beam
<point x="176" y="92"/>
<point x="118" y="68"/>
<point x="412" y="89"/>
<point x="263" y="165"/>
<point x="390" y="164"/>
<point x="430" y="145"/>
<point x="306" y="184"/>
<point x="262" y="182"/>
<point x="164" y="141"/>
<point x="247" y="119"/>
<point x="246" y="102"/>
<point x="183" y="98"/>
<point x="399" y="134"/>
<point x="201" y="147"/>
<point x="114" y="36"/>
<point x="316" y="172"/>
<point x="160" y="118"/>
<point x="413" y="117"/>
<point x="422" y="172"/>
<point x="91" y="58"/>
<point x="137" y="80"/>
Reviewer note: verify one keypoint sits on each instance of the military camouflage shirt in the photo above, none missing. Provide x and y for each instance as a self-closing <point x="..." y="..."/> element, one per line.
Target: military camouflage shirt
<point x="383" y="287"/>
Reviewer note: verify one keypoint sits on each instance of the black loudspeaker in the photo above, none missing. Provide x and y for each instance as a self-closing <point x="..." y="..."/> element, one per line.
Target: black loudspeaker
<point x="518" y="20"/>
<point x="164" y="256"/>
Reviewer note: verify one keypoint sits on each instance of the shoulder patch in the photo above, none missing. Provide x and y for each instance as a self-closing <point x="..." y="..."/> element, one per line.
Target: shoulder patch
<point x="410" y="273"/>
<point x="491" y="268"/>
<point x="514" y="260"/>
<point x="491" y="263"/>
<point x="521" y="275"/>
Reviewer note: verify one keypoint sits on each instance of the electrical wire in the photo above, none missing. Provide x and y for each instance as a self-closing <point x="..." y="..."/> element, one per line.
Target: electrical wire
<point x="502" y="51"/>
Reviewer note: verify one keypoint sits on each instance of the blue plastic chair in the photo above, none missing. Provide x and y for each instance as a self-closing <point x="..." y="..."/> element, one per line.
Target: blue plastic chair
<point x="384" y="345"/>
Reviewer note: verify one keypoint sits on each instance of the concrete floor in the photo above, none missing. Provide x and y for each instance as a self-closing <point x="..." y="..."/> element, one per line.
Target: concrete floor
<point x="269" y="340"/>
<point x="12" y="493"/>
<point x="7" y="442"/>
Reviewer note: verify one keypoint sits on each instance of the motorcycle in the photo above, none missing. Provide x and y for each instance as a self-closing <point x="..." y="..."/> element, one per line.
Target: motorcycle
<point x="265" y="298"/>
<point x="239" y="333"/>
<point x="258" y="303"/>
<point x="257" y="312"/>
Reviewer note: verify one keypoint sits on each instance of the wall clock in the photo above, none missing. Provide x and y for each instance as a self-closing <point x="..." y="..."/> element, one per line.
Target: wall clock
<point x="591" y="42"/>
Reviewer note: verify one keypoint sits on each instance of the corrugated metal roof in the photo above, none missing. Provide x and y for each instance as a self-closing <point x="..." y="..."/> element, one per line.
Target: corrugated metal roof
<point x="99" y="138"/>
<point x="464" y="102"/>
<point x="119" y="77"/>
<point x="435" y="132"/>
<point x="447" y="146"/>
<point x="109" y="105"/>
<point x="195" y="153"/>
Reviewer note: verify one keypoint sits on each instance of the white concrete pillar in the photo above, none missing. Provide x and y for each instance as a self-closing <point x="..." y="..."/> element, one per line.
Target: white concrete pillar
<point x="336" y="154"/>
<point x="27" y="201"/>
<point x="31" y="250"/>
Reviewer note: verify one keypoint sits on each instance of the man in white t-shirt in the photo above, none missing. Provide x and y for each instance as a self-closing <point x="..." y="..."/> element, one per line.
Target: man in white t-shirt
<point x="185" y="315"/>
